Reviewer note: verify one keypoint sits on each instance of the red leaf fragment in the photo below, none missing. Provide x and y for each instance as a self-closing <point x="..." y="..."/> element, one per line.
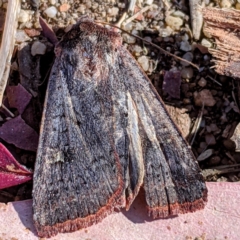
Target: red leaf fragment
<point x="172" y="83"/>
<point x="48" y="32"/>
<point x="18" y="97"/>
<point x="18" y="133"/>
<point x="11" y="172"/>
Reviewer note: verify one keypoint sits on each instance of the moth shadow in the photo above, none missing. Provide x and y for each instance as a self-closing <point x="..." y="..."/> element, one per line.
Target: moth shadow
<point x="25" y="214"/>
<point x="138" y="212"/>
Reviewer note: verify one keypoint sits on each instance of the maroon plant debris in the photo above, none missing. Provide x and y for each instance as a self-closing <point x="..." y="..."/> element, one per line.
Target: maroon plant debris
<point x="18" y="133"/>
<point x="11" y="172"/>
<point x="18" y="97"/>
<point x="48" y="32"/>
<point x="171" y="83"/>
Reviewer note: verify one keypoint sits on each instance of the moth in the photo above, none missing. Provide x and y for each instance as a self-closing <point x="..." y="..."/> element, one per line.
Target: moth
<point x="105" y="133"/>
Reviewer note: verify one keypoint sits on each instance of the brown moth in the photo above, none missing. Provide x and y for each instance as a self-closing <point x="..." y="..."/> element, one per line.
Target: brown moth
<point x="105" y="133"/>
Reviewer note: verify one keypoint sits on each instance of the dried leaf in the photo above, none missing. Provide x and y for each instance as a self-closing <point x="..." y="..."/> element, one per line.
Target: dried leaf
<point x="48" y="32"/>
<point x="18" y="97"/>
<point x="11" y="172"/>
<point x="172" y="83"/>
<point x="18" y="133"/>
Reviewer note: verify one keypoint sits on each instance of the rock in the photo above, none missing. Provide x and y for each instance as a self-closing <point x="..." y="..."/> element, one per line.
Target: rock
<point x="51" y="12"/>
<point x="185" y="46"/>
<point x="206" y="154"/>
<point x="128" y="27"/>
<point x="187" y="56"/>
<point x="174" y="22"/>
<point x="204" y="97"/>
<point x="214" y="128"/>
<point x="38" y="48"/>
<point x="113" y="11"/>
<point x="202" y="82"/>
<point x="23" y="16"/>
<point x="52" y="2"/>
<point x="237" y="6"/>
<point x="229" y="144"/>
<point x="210" y="139"/>
<point x="215" y="160"/>
<point x="206" y="43"/>
<point x="64" y="7"/>
<point x="144" y="62"/>
<point x="179" y="14"/>
<point x="165" y="32"/>
<point x="128" y="38"/>
<point x="187" y="73"/>
<point x="21" y="36"/>
<point x="226" y="3"/>
<point x="148" y="2"/>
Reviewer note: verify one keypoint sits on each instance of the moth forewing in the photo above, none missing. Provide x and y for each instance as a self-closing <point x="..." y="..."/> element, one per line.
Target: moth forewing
<point x="105" y="133"/>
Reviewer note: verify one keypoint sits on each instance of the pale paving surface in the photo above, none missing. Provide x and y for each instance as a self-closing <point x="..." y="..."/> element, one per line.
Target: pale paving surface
<point x="219" y="220"/>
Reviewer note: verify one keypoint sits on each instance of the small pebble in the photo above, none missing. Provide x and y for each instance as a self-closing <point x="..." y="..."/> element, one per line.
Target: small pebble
<point x="81" y="8"/>
<point x="165" y="32"/>
<point x="64" y="7"/>
<point x="204" y="97"/>
<point x="179" y="14"/>
<point x="187" y="56"/>
<point x="113" y="11"/>
<point x="214" y="127"/>
<point x="148" y="2"/>
<point x="38" y="48"/>
<point x="226" y="3"/>
<point x="128" y="38"/>
<point x="52" y="2"/>
<point x="21" y="36"/>
<point x="51" y="12"/>
<point x="202" y="82"/>
<point x="144" y="62"/>
<point x="229" y="144"/>
<point x="206" y="43"/>
<point x="153" y="14"/>
<point x="186" y="101"/>
<point x="23" y="16"/>
<point x="237" y="6"/>
<point x="128" y="27"/>
<point x="210" y="139"/>
<point x="215" y="160"/>
<point x="137" y="49"/>
<point x="174" y="22"/>
<point x="206" y="154"/>
<point x="187" y="73"/>
<point x="185" y="46"/>
<point x="203" y="145"/>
